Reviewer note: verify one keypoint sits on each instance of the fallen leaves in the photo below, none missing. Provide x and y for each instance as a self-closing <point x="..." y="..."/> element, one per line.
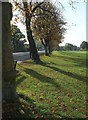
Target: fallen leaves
<point x="21" y="111"/>
<point x="37" y="115"/>
<point x="69" y="95"/>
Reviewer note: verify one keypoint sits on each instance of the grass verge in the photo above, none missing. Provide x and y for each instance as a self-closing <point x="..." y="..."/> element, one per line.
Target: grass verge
<point x="54" y="88"/>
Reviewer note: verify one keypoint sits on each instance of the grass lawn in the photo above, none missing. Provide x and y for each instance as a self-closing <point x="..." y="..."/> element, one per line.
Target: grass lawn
<point x="54" y="88"/>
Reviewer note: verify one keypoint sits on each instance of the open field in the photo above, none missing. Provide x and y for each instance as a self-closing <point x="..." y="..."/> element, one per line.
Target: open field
<point x="53" y="88"/>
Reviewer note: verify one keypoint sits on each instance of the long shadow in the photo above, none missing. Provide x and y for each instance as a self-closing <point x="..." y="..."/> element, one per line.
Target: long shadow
<point x="11" y="110"/>
<point x="64" y="65"/>
<point x="76" y="76"/>
<point x="27" y="110"/>
<point x="30" y="110"/>
<point x="82" y="62"/>
<point x="41" y="77"/>
<point x="22" y="78"/>
<point x="78" y="61"/>
<point x="70" y="74"/>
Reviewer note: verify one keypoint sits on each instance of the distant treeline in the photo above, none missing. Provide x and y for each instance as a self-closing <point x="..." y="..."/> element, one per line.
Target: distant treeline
<point x="19" y="43"/>
<point x="71" y="47"/>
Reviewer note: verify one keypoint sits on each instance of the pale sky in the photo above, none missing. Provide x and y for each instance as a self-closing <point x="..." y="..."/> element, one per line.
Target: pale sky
<point x="76" y="33"/>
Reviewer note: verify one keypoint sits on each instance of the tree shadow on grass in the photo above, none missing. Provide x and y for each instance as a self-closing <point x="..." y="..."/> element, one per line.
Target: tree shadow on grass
<point x="22" y="78"/>
<point x="29" y="110"/>
<point x="11" y="109"/>
<point x="76" y="76"/>
<point x="77" y="60"/>
<point x="63" y="65"/>
<point x="70" y="74"/>
<point x="41" y="77"/>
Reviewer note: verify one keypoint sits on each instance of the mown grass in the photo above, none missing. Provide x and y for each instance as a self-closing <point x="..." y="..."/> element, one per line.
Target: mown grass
<point x="53" y="88"/>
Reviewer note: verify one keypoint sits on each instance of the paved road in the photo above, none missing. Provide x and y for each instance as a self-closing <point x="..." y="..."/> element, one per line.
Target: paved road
<point x="21" y="56"/>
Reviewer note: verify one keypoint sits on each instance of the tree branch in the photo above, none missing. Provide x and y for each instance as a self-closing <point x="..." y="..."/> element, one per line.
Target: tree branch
<point x="43" y="42"/>
<point x="36" y="15"/>
<point x="37" y="6"/>
<point x="46" y="10"/>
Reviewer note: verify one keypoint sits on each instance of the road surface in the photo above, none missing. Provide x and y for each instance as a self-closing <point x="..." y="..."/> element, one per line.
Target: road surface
<point x="21" y="56"/>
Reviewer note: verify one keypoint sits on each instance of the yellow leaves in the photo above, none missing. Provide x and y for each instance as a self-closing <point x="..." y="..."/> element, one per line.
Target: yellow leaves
<point x="69" y="95"/>
<point x="71" y="100"/>
<point x="32" y="94"/>
<point x="29" y="9"/>
<point x="16" y="20"/>
<point x="33" y="112"/>
<point x="53" y="111"/>
<point x="21" y="111"/>
<point x="23" y="13"/>
<point x="23" y="106"/>
<point x="41" y="99"/>
<point x="37" y="115"/>
<point x="63" y="104"/>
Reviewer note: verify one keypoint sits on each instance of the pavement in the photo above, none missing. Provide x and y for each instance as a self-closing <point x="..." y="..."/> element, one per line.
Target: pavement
<point x="21" y="56"/>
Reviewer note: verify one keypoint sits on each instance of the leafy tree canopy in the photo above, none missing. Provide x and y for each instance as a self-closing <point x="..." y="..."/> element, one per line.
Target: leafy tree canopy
<point x="84" y="45"/>
<point x="48" y="25"/>
<point x="18" y="39"/>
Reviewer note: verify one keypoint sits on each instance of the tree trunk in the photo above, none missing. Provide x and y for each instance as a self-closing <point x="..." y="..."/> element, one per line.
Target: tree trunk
<point x="44" y="43"/>
<point x="8" y="73"/>
<point x="49" y="48"/>
<point x="33" y="49"/>
<point x="46" y="50"/>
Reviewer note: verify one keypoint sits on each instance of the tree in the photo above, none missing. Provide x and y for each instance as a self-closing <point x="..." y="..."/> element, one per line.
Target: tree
<point x="8" y="72"/>
<point x="18" y="39"/>
<point x="84" y="45"/>
<point x="48" y="27"/>
<point x="68" y="47"/>
<point x="33" y="49"/>
<point x="75" y="48"/>
<point x="27" y="47"/>
<point x="39" y="45"/>
<point x="28" y="9"/>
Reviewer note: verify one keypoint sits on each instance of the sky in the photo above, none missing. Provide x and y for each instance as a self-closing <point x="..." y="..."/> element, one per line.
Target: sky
<point x="76" y="32"/>
<point x="76" y="19"/>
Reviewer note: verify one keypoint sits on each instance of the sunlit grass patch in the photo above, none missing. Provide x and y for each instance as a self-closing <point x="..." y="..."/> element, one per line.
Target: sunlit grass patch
<point x="56" y="87"/>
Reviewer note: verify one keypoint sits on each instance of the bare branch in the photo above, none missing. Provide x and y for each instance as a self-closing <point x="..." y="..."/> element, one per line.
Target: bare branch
<point x="72" y="3"/>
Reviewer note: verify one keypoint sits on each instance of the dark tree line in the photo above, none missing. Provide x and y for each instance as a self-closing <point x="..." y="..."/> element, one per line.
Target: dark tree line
<point x="18" y="40"/>
<point x="84" y="45"/>
<point x="70" y="47"/>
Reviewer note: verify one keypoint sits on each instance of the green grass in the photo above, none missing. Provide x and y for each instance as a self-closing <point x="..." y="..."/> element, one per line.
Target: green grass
<point x="54" y="88"/>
